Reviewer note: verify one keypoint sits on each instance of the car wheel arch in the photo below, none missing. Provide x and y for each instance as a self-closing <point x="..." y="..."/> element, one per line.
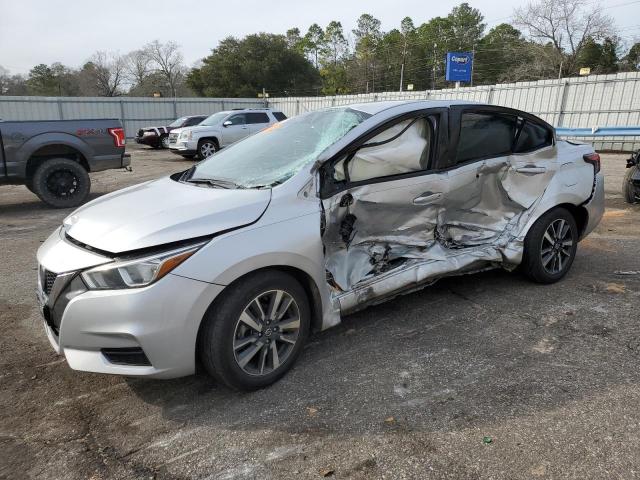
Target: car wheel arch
<point x="579" y="213"/>
<point x="52" y="151"/>
<point x="212" y="138"/>
<point x="305" y="280"/>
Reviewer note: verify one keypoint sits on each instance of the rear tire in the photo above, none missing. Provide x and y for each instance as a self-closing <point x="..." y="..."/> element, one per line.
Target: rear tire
<point x="61" y="183"/>
<point x="550" y="246"/>
<point x="630" y="191"/>
<point x="242" y="344"/>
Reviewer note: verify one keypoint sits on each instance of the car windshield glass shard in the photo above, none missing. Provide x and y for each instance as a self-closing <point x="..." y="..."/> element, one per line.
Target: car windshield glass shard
<point x="279" y="152"/>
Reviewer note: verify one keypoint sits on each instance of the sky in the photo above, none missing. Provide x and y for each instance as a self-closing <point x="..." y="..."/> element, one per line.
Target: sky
<point x="70" y="31"/>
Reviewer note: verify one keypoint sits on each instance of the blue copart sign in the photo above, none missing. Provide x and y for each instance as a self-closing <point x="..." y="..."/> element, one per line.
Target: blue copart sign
<point x="459" y="66"/>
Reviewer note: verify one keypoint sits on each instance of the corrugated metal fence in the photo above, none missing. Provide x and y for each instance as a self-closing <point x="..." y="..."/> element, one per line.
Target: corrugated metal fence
<point x="593" y="101"/>
<point x="134" y="112"/>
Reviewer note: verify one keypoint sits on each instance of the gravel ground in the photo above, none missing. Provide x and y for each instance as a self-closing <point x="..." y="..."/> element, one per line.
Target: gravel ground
<point x="482" y="376"/>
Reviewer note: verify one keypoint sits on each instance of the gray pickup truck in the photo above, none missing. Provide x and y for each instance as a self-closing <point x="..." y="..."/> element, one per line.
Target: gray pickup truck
<point x="53" y="158"/>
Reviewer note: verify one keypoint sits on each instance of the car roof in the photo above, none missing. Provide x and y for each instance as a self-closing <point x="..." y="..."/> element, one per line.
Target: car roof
<point x="374" y="108"/>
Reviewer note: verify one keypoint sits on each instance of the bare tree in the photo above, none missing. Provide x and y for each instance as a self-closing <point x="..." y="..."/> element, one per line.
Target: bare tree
<point x="566" y="25"/>
<point x="168" y="61"/>
<point x="107" y="70"/>
<point x="4" y="80"/>
<point x="138" y="66"/>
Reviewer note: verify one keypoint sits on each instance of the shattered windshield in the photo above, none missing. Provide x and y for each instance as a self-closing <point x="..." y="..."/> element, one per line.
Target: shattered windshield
<point x="276" y="154"/>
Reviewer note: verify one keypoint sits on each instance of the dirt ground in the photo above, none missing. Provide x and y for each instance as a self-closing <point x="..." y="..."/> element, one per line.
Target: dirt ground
<point x="482" y="376"/>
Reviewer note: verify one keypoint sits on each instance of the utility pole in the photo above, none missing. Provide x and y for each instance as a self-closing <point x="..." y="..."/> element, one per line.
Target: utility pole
<point x="473" y="61"/>
<point x="433" y="80"/>
<point x="560" y="71"/>
<point x="404" y="56"/>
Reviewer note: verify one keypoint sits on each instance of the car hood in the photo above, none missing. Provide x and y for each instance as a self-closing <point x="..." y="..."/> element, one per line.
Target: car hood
<point x="201" y="128"/>
<point x="160" y="212"/>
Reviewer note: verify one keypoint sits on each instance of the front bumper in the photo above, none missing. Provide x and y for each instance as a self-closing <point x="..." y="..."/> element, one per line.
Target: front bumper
<point x="183" y="147"/>
<point x="595" y="205"/>
<point x="161" y="320"/>
<point x="150" y="140"/>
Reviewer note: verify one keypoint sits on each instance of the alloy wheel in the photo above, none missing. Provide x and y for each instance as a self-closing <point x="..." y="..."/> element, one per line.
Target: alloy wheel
<point x="62" y="183"/>
<point x="557" y="243"/>
<point x="165" y="141"/>
<point x="266" y="332"/>
<point x="207" y="149"/>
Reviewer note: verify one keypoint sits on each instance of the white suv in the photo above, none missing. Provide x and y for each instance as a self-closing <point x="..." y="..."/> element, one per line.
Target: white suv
<point x="220" y="130"/>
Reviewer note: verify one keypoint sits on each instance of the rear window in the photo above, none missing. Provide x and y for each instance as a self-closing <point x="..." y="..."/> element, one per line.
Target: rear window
<point x="485" y="135"/>
<point x="257" y="117"/>
<point x="279" y="116"/>
<point x="532" y="137"/>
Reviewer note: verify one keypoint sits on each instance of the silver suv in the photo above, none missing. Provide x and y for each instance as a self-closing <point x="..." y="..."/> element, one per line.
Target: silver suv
<point x="220" y="130"/>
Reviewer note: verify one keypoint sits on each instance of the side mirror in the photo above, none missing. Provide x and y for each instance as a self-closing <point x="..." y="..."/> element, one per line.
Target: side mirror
<point x="227" y="123"/>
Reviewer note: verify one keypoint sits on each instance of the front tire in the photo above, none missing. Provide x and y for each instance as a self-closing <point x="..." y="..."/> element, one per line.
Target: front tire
<point x="631" y="188"/>
<point x="206" y="148"/>
<point x="164" y="141"/>
<point x="255" y="331"/>
<point x="61" y="183"/>
<point x="550" y="246"/>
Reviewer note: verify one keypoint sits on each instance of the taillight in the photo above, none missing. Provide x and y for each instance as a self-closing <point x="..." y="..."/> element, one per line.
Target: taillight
<point x="118" y="136"/>
<point x="593" y="159"/>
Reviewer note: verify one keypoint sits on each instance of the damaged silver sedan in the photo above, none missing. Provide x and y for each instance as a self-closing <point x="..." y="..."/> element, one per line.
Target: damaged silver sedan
<point x="236" y="260"/>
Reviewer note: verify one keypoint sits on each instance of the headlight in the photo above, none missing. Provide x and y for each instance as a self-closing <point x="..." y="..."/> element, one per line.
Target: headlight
<point x="149" y="134"/>
<point x="186" y="135"/>
<point x="136" y="273"/>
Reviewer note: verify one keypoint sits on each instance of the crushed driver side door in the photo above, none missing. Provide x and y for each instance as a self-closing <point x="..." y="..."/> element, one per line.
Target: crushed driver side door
<point x="382" y="201"/>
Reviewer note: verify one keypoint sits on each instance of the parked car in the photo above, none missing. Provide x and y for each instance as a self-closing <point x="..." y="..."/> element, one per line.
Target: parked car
<point x="631" y="182"/>
<point x="220" y="130"/>
<point x="235" y="260"/>
<point x="158" y="137"/>
<point x="53" y="158"/>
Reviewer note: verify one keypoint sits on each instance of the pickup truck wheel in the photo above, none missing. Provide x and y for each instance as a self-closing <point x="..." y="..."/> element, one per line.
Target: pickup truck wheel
<point x="550" y="246"/>
<point x="206" y="148"/>
<point x="61" y="183"/>
<point x="256" y="330"/>
<point x="164" y="142"/>
<point x="631" y="188"/>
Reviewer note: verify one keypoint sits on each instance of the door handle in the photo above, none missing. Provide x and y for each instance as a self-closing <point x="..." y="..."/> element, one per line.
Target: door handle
<point x="531" y="169"/>
<point x="426" y="198"/>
